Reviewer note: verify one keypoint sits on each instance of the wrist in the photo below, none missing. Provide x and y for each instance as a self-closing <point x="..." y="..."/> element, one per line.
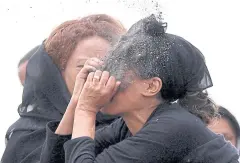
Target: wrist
<point x="79" y="114"/>
<point x="86" y="108"/>
<point x="84" y="124"/>
<point x="73" y="100"/>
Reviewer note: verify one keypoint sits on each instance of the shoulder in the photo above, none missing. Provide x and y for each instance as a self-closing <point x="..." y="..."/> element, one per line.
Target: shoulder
<point x="118" y="128"/>
<point x="176" y="116"/>
<point x="177" y="124"/>
<point x="25" y="125"/>
<point x="117" y="123"/>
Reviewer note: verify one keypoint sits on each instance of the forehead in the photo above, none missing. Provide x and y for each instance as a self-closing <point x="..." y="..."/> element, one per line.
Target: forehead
<point x="221" y="126"/>
<point x="90" y="47"/>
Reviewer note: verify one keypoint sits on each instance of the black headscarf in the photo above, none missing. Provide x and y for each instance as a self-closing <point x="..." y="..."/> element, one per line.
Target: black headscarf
<point x="45" y="93"/>
<point x="45" y="99"/>
<point x="149" y="51"/>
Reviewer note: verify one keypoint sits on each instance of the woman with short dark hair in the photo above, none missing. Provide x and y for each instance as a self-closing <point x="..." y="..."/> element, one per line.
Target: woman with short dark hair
<point x="226" y="125"/>
<point x="144" y="74"/>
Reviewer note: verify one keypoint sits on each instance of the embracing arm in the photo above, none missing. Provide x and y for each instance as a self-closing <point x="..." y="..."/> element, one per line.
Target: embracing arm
<point x="24" y="146"/>
<point x="165" y="138"/>
<point x="53" y="151"/>
<point x="66" y="125"/>
<point x="153" y="143"/>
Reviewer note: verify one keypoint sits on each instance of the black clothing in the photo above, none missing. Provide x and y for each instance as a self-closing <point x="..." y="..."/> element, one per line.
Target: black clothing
<point x="45" y="98"/>
<point x="171" y="135"/>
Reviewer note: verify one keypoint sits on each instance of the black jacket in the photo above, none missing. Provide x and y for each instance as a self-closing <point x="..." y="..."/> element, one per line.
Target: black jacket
<point x="171" y="135"/>
<point x="45" y="98"/>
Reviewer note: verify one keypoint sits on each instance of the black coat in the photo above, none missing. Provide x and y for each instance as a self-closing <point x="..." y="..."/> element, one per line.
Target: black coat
<point x="171" y="135"/>
<point x="45" y="98"/>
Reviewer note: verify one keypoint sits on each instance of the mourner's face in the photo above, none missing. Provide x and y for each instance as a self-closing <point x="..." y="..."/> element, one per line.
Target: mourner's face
<point x="125" y="100"/>
<point x="136" y="94"/>
<point x="87" y="48"/>
<point x="222" y="126"/>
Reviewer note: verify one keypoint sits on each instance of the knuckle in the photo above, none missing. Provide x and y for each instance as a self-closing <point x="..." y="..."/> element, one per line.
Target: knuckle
<point x="74" y="99"/>
<point x="81" y="76"/>
<point x="88" y="60"/>
<point x="105" y="91"/>
<point x="99" y="71"/>
<point x="98" y="88"/>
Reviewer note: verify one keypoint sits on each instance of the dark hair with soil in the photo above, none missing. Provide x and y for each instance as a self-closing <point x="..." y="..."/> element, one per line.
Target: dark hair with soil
<point x="149" y="52"/>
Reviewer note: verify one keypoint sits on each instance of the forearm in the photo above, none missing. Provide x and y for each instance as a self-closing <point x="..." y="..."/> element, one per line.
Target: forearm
<point x="66" y="125"/>
<point x="52" y="150"/>
<point x="84" y="124"/>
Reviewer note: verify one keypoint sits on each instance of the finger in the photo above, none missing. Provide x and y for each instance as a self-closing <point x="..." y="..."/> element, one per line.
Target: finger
<point x="79" y="83"/>
<point x="85" y="70"/>
<point x="78" y="87"/>
<point x="99" y="61"/>
<point x="116" y="87"/>
<point x="104" y="78"/>
<point x="97" y="76"/>
<point x="95" y="62"/>
<point x="111" y="83"/>
<point x="81" y="78"/>
<point x="90" y="77"/>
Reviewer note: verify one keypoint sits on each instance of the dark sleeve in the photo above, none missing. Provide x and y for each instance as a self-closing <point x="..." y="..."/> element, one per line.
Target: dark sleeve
<point x="52" y="151"/>
<point x="24" y="146"/>
<point x="109" y="135"/>
<point x="161" y="140"/>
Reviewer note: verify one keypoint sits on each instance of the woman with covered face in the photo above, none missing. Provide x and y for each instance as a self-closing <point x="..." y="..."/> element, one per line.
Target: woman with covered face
<point x="144" y="74"/>
<point x="50" y="89"/>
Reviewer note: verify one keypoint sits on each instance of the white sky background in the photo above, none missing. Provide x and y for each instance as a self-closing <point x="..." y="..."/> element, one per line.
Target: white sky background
<point x="211" y="25"/>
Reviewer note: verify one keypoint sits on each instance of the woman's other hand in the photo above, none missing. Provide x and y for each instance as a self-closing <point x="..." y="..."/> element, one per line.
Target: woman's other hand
<point x="97" y="91"/>
<point x="91" y="65"/>
<point x="66" y="125"/>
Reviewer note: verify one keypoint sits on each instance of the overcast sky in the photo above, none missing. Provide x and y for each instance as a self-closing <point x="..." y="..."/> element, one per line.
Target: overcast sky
<point x="213" y="26"/>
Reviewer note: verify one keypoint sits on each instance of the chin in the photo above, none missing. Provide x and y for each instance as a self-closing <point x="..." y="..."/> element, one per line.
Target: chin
<point x="109" y="110"/>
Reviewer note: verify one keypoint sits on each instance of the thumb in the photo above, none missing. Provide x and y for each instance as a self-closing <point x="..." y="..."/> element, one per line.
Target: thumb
<point x="79" y="83"/>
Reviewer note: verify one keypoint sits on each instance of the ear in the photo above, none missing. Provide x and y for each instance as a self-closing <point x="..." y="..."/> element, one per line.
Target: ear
<point x="152" y="87"/>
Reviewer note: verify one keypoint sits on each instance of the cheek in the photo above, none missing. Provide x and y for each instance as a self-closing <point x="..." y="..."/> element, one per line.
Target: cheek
<point x="123" y="101"/>
<point x="116" y="105"/>
<point x="102" y="54"/>
<point x="73" y="75"/>
<point x="69" y="76"/>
